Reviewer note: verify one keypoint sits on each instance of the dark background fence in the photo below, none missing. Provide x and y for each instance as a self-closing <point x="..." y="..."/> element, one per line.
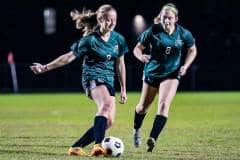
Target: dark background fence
<point x="199" y="78"/>
<point x="215" y="25"/>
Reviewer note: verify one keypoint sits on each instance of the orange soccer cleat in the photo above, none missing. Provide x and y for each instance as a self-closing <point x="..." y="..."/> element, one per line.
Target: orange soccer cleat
<point x="98" y="151"/>
<point x="76" y="151"/>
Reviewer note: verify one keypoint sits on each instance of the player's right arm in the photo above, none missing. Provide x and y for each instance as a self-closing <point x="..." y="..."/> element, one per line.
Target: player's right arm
<point x="62" y="60"/>
<point x="143" y="41"/>
<point x="138" y="53"/>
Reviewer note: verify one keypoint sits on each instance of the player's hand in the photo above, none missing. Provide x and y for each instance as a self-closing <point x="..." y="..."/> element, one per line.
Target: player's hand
<point x="38" y="68"/>
<point x="145" y="58"/>
<point x="183" y="70"/>
<point x="123" y="97"/>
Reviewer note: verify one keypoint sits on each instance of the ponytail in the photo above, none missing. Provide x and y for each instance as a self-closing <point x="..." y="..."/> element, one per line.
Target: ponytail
<point x="85" y="21"/>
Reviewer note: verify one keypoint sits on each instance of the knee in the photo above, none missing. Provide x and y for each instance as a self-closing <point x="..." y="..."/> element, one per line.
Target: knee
<point x="105" y="108"/>
<point x="163" y="108"/>
<point x="141" y="108"/>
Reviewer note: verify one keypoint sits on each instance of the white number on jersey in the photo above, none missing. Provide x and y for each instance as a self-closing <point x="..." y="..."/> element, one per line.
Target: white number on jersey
<point x="168" y="50"/>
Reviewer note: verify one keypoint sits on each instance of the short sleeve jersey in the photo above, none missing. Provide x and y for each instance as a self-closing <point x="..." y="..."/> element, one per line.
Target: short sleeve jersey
<point x="165" y="50"/>
<point x="99" y="56"/>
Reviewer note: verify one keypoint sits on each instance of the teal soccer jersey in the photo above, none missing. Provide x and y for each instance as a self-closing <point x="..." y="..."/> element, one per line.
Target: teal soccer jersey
<point x="165" y="50"/>
<point x="99" y="56"/>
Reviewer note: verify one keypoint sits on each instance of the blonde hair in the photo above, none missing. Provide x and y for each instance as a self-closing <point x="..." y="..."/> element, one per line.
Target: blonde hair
<point x="167" y="7"/>
<point x="87" y="20"/>
<point x="102" y="10"/>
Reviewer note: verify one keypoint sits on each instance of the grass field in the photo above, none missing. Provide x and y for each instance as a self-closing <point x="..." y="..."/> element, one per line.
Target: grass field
<point x="42" y="126"/>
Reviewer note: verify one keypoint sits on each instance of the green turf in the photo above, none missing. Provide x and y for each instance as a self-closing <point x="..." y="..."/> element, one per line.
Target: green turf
<point x="42" y="126"/>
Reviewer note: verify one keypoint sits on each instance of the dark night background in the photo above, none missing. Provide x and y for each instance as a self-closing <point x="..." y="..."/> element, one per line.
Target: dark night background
<point x="215" y="25"/>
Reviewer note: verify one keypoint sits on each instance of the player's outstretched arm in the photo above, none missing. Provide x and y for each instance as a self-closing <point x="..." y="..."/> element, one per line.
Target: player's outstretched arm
<point x="62" y="60"/>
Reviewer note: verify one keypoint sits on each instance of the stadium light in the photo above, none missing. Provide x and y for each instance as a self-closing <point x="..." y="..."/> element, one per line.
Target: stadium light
<point x="139" y="24"/>
<point x="49" y="15"/>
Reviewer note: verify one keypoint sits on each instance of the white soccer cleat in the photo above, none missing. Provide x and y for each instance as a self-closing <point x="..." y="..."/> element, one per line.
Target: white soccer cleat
<point x="136" y="137"/>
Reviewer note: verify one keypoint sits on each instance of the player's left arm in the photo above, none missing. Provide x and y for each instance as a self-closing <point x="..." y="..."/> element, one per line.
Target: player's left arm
<point x="191" y="55"/>
<point x="121" y="73"/>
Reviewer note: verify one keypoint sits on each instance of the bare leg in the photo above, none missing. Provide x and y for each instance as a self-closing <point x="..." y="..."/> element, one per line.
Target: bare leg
<point x="147" y="97"/>
<point x="104" y="116"/>
<point x="167" y="91"/>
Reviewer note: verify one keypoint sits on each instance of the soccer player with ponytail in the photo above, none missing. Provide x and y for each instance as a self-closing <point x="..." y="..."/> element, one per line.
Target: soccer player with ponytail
<point x="101" y="48"/>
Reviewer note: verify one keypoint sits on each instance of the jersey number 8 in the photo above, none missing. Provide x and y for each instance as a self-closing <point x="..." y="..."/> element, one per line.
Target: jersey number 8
<point x="168" y="50"/>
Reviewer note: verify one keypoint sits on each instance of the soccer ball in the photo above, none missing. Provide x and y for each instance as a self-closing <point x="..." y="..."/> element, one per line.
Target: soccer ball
<point x="113" y="145"/>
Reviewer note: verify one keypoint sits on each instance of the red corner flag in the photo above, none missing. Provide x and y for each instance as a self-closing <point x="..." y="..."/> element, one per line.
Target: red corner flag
<point x="13" y="71"/>
<point x="10" y="58"/>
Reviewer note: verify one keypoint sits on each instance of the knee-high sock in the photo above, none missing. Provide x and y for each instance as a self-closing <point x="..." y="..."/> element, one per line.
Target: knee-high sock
<point x="158" y="125"/>
<point x="100" y="126"/>
<point x="138" y="120"/>
<point x="85" y="139"/>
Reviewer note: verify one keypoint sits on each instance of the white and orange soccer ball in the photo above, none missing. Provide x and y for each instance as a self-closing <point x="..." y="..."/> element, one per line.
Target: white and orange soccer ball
<point x="113" y="145"/>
